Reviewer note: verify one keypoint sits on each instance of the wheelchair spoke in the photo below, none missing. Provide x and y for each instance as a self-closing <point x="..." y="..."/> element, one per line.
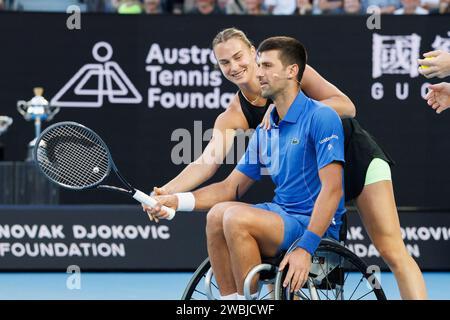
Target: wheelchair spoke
<point x="329" y="286"/>
<point x="200" y="292"/>
<point x="367" y="294"/>
<point x="341" y="290"/>
<point x="325" y="295"/>
<point x="345" y="279"/>
<point x="302" y="295"/>
<point x="360" y="281"/>
<point x="266" y="295"/>
<point x="326" y="277"/>
<point x="215" y="286"/>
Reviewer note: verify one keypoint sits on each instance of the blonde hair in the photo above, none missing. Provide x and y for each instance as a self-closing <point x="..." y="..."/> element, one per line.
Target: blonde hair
<point x="231" y="33"/>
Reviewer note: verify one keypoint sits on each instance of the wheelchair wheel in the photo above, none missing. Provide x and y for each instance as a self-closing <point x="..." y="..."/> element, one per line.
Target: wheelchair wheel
<point x="336" y="274"/>
<point x="195" y="289"/>
<point x="203" y="286"/>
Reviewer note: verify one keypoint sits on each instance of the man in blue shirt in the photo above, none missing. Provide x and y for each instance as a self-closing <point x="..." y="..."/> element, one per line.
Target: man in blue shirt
<point x="303" y="153"/>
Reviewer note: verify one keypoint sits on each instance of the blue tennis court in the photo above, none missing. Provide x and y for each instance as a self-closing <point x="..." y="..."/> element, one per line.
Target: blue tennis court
<point x="150" y="286"/>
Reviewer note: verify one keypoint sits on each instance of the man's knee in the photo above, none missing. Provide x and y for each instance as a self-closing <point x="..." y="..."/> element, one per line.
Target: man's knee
<point x="235" y="220"/>
<point x="214" y="218"/>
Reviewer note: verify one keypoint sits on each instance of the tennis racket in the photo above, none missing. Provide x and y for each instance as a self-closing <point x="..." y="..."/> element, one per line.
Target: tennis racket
<point x="75" y="157"/>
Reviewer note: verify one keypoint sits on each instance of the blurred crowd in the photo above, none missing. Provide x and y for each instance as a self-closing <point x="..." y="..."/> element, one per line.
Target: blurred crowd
<point x="249" y="7"/>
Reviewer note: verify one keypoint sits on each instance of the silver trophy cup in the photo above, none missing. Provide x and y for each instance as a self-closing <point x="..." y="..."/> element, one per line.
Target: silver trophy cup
<point x="5" y="122"/>
<point x="38" y="110"/>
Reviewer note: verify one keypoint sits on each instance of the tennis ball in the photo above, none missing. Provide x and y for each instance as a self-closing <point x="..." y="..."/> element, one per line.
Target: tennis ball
<point x="424" y="67"/>
<point x="96" y="170"/>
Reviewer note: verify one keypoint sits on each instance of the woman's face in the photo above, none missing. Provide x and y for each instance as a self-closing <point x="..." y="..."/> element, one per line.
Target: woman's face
<point x="236" y="60"/>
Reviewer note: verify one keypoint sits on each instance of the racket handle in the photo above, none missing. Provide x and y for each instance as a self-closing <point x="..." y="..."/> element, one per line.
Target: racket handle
<point x="149" y="201"/>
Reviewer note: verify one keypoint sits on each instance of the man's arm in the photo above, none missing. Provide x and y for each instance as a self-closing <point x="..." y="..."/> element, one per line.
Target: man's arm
<point x="232" y="188"/>
<point x="327" y="202"/>
<point x="317" y="88"/>
<point x="328" y="137"/>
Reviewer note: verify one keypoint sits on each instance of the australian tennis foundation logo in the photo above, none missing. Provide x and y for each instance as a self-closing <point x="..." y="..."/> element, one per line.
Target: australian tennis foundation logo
<point x="96" y="81"/>
<point x="184" y="78"/>
<point x="180" y="78"/>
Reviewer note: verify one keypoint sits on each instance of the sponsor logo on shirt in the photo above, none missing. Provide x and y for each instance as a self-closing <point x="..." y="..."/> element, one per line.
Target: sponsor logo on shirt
<point x="328" y="139"/>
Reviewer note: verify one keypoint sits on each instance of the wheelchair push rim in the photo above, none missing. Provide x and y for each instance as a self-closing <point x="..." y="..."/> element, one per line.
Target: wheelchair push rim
<point x="352" y="279"/>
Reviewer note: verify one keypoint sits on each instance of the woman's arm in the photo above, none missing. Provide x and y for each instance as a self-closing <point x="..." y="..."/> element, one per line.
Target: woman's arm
<point x="215" y="152"/>
<point x="317" y="88"/>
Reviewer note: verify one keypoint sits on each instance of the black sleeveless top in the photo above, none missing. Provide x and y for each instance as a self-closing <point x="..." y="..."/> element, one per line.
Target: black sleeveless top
<point x="253" y="114"/>
<point x="360" y="147"/>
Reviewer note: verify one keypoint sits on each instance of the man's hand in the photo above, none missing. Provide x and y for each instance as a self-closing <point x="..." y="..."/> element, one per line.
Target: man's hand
<point x="159" y="191"/>
<point x="299" y="265"/>
<point x="157" y="212"/>
<point x="437" y="66"/>
<point x="439" y="96"/>
<point x="156" y="192"/>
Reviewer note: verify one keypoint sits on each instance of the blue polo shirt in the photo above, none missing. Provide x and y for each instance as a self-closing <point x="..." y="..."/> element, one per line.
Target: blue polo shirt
<point x="292" y="152"/>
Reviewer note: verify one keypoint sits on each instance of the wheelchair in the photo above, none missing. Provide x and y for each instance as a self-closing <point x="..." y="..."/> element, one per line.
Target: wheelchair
<point x="336" y="274"/>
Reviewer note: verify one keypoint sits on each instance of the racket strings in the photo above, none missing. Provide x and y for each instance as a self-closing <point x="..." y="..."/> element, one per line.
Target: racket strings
<point x="60" y="173"/>
<point x="73" y="156"/>
<point x="88" y="148"/>
<point x="65" y="166"/>
<point x="73" y="168"/>
<point x="91" y="155"/>
<point x="56" y="146"/>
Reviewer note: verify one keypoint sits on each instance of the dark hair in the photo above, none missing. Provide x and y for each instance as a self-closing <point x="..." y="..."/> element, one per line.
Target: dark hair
<point x="291" y="51"/>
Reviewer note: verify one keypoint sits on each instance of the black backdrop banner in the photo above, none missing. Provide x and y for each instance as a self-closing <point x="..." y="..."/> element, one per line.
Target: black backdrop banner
<point x="121" y="238"/>
<point x="111" y="238"/>
<point x="147" y="84"/>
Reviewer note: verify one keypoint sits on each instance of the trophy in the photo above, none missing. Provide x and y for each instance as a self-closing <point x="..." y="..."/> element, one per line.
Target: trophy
<point x="37" y="110"/>
<point x="5" y="122"/>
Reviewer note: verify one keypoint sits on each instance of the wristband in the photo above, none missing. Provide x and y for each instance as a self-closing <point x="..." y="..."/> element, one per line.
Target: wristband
<point x="309" y="242"/>
<point x="186" y="201"/>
